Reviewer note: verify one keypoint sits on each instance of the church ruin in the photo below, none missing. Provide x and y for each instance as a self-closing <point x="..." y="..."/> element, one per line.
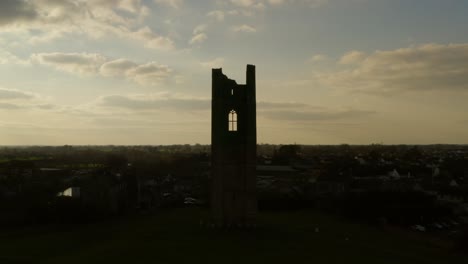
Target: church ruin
<point x="233" y="149"/>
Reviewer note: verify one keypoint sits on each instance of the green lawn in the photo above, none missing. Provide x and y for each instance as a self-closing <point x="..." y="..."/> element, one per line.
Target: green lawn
<point x="175" y="237"/>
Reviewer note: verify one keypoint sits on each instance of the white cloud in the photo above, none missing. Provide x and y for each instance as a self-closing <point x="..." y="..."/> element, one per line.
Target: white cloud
<point x="199" y="35"/>
<point x="315" y="3"/>
<point x="150" y="73"/>
<point x="52" y="12"/>
<point x="216" y="14"/>
<point x="425" y="67"/>
<point x="9" y="58"/>
<point x="352" y="57"/>
<point x="153" y="40"/>
<point x="215" y="63"/>
<point x="48" y="20"/>
<point x="132" y="6"/>
<point x="11" y="99"/>
<point x="199" y="38"/>
<point x="85" y="64"/>
<point x="157" y="101"/>
<point x="310" y="3"/>
<point x="301" y="112"/>
<point x="260" y="3"/>
<point x="10" y="94"/>
<point x="117" y="67"/>
<point x="233" y="12"/>
<point x="314" y="115"/>
<point x="259" y="6"/>
<point x="10" y="106"/>
<point x="244" y="28"/>
<point x="199" y="29"/>
<point x="279" y="105"/>
<point x="318" y="58"/>
<point x="171" y="3"/>
<point x="164" y="101"/>
<point x="243" y="3"/>
<point x="276" y="2"/>
<point x="76" y="63"/>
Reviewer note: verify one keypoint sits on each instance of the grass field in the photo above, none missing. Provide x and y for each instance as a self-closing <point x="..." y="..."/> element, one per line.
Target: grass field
<point x="176" y="237"/>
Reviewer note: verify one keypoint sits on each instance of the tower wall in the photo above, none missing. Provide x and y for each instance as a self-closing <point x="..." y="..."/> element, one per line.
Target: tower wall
<point x="233" y="152"/>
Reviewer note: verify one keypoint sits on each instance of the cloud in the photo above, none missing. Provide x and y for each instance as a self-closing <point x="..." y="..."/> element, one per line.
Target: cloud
<point x="18" y="106"/>
<point x="215" y="63"/>
<point x="243" y="3"/>
<point x="171" y="3"/>
<point x="7" y="57"/>
<point x="310" y="3"/>
<point x="418" y="68"/>
<point x="132" y="6"/>
<point x="167" y="100"/>
<point x="315" y="3"/>
<point x="259" y="6"/>
<point x="87" y="64"/>
<point x="216" y="14"/>
<point x="154" y="102"/>
<point x="352" y="57"/>
<point x="153" y="40"/>
<point x="244" y="28"/>
<point x="47" y="20"/>
<point x="47" y="12"/>
<point x="199" y="35"/>
<point x="9" y="106"/>
<point x="317" y="115"/>
<point x="46" y="106"/>
<point x="117" y="67"/>
<point x="247" y="8"/>
<point x="296" y="111"/>
<point x="260" y="3"/>
<point x="198" y="38"/>
<point x="199" y="29"/>
<point x="76" y="63"/>
<point x="282" y="111"/>
<point x="11" y="99"/>
<point x="318" y="58"/>
<point x="233" y="12"/>
<point x="276" y="2"/>
<point x="7" y="94"/>
<point x="12" y="11"/>
<point x="269" y="105"/>
<point x="150" y="73"/>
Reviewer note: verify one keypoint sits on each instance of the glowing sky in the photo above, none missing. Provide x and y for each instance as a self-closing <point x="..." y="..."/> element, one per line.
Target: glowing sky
<point x="139" y="71"/>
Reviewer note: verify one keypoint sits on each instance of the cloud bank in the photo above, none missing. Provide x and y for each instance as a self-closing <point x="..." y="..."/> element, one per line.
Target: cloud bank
<point x="87" y="64"/>
<point x="47" y="20"/>
<point x="420" y="68"/>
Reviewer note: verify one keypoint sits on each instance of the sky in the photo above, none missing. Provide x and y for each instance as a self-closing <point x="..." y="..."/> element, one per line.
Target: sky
<point x="138" y="72"/>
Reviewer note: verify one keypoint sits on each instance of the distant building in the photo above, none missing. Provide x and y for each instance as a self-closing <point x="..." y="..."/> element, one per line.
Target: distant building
<point x="73" y="192"/>
<point x="233" y="149"/>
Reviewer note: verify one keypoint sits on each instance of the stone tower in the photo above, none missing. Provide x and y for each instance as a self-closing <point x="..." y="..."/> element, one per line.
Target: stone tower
<point x="233" y="149"/>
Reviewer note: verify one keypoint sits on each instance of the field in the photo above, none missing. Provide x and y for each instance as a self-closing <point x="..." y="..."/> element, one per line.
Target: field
<point x="175" y="236"/>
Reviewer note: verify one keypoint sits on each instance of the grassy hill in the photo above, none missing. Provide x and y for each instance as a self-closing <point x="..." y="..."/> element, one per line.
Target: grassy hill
<point x="176" y="237"/>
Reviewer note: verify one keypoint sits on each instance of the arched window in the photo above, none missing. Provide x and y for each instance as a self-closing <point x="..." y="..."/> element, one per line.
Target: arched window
<point x="232" y="121"/>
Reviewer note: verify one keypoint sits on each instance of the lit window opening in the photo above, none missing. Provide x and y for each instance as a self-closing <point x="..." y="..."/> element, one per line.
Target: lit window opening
<point x="232" y="121"/>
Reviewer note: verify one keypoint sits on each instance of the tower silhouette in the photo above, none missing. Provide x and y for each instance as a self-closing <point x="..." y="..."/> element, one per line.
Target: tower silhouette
<point x="233" y="149"/>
